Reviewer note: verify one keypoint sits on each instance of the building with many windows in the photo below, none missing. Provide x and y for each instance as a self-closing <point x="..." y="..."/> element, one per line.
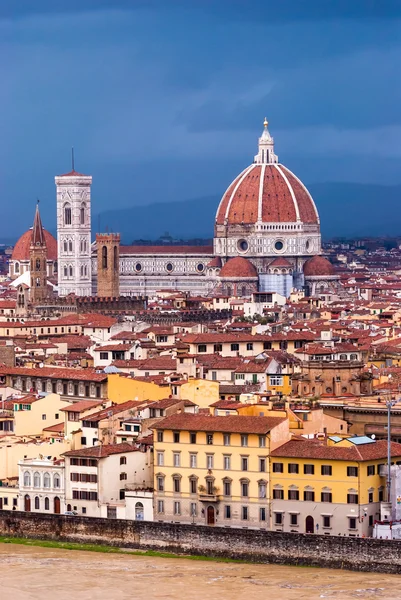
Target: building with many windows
<point x="215" y="470"/>
<point x="331" y="487"/>
<point x="41" y="485"/>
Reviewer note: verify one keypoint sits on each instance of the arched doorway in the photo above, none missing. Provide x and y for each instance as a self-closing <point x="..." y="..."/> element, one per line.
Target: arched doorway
<point x="139" y="512"/>
<point x="309" y="525"/>
<point x="210" y="515"/>
<point x="27" y="503"/>
<point x="56" y="505"/>
<point x="69" y="507"/>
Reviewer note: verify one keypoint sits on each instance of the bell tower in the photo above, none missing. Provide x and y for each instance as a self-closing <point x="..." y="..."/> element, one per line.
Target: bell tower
<point x="108" y="265"/>
<point x="74" y="233"/>
<point x="38" y="260"/>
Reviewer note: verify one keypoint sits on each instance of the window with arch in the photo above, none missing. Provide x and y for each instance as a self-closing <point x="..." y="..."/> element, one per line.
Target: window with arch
<point x="37" y="264"/>
<point x="262" y="489"/>
<point x="67" y="214"/>
<point x="56" y="481"/>
<point x="46" y="480"/>
<point x="82" y="213"/>
<point x="27" y="479"/>
<point x="82" y="270"/>
<point x="85" y="270"/>
<point x="36" y="480"/>
<point x="37" y="503"/>
<point x="104" y="257"/>
<point x="70" y="246"/>
<point x="16" y="267"/>
<point x="65" y="271"/>
<point x="139" y="511"/>
<point x="47" y="504"/>
<point x="65" y="246"/>
<point x="70" y="271"/>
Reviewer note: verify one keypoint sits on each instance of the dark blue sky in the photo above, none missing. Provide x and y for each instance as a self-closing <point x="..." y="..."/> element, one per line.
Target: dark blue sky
<point x="164" y="100"/>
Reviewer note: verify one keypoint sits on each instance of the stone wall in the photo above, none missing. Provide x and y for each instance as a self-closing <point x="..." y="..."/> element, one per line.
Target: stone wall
<point x="251" y="545"/>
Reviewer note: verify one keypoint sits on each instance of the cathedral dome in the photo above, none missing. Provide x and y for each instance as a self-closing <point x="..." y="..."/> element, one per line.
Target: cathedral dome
<point x="21" y="248"/>
<point x="266" y="193"/>
<point x="318" y="266"/>
<point x="238" y="267"/>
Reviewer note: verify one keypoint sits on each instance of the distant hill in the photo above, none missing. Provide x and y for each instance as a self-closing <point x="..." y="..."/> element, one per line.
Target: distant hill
<point x="346" y="209"/>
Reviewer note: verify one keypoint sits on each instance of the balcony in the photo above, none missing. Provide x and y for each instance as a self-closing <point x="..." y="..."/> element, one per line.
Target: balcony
<point x="205" y="497"/>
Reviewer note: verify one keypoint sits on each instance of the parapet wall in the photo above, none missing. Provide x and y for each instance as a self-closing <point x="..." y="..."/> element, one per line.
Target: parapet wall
<point x="250" y="545"/>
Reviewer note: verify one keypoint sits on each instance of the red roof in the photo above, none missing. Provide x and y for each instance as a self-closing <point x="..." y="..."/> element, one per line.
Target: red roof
<point x="229" y="424"/>
<point x="22" y="247"/>
<point x="73" y="173"/>
<point x="318" y="266"/>
<point x="280" y="198"/>
<point x="314" y="449"/>
<point x="102" y="451"/>
<point x="55" y="373"/>
<point x="238" y="267"/>
<point x="203" y="250"/>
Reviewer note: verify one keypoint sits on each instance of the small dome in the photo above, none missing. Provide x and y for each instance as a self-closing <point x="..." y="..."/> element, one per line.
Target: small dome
<point x="318" y="266"/>
<point x="238" y="267"/>
<point x="22" y="247"/>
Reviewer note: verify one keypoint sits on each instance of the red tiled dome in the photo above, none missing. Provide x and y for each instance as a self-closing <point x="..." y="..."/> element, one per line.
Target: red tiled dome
<point x="215" y="262"/>
<point x="238" y="267"/>
<point x="280" y="198"/>
<point x="318" y="266"/>
<point x="21" y="248"/>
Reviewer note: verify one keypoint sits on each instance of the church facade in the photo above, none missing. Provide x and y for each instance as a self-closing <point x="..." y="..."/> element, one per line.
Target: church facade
<point x="266" y="236"/>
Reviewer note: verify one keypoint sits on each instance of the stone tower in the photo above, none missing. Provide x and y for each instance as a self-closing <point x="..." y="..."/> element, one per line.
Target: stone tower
<point x="38" y="260"/>
<point x="108" y="264"/>
<point x="74" y="234"/>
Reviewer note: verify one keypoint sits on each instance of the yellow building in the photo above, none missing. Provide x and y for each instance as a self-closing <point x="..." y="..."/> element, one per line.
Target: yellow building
<point x="215" y="470"/>
<point x="32" y="413"/>
<point x="331" y="487"/>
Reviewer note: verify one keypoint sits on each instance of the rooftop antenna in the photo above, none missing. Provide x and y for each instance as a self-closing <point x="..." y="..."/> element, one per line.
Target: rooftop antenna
<point x="72" y="159"/>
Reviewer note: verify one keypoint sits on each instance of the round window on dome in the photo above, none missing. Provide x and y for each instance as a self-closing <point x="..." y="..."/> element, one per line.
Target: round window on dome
<point x="200" y="267"/>
<point x="279" y="245"/>
<point x="169" y="267"/>
<point x="308" y="245"/>
<point x="242" y="245"/>
<point x="138" y="267"/>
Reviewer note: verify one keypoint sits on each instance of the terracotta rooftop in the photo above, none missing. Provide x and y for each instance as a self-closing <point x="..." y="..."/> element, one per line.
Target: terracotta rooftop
<point x="102" y="451"/>
<point x="238" y="267"/>
<point x="55" y="373"/>
<point x="229" y="424"/>
<point x="22" y="247"/>
<point x="314" y="449"/>
<point x="279" y="198"/>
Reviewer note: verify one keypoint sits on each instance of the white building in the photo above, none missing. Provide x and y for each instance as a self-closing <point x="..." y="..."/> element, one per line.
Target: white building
<point x="41" y="485"/>
<point x="97" y="478"/>
<point x="74" y="234"/>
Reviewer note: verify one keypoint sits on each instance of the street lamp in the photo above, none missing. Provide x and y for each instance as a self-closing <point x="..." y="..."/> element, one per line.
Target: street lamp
<point x="389" y="404"/>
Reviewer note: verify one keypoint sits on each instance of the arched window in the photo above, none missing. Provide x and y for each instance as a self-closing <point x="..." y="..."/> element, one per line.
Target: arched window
<point x="82" y="270"/>
<point x="27" y="479"/>
<point x="16" y="267"/>
<point x="36" y="480"/>
<point x="86" y="270"/>
<point x="70" y="245"/>
<point x="115" y="258"/>
<point x="67" y="214"/>
<point x="46" y="480"/>
<point x="82" y="214"/>
<point x="56" y="481"/>
<point x="47" y="504"/>
<point x="139" y="512"/>
<point x="70" y="271"/>
<point x="65" y="246"/>
<point x="37" y="264"/>
<point x="104" y="257"/>
<point x="262" y="487"/>
<point x="37" y="503"/>
<point x="243" y="291"/>
<point x="65" y="271"/>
